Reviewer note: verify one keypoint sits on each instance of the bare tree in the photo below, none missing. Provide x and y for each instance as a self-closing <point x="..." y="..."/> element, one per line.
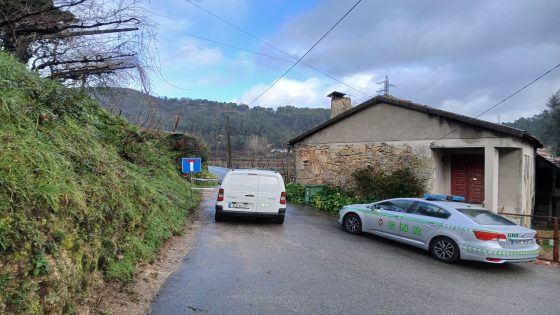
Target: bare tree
<point x="257" y="146"/>
<point x="79" y="41"/>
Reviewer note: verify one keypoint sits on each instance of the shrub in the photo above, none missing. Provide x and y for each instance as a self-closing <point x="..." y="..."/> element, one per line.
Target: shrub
<point x="332" y="200"/>
<point x="403" y="182"/>
<point x="295" y="193"/>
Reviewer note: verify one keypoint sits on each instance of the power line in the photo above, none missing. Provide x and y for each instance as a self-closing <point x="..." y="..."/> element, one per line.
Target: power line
<point x="505" y="99"/>
<point x="265" y="55"/>
<point x="307" y="52"/>
<point x="227" y="45"/>
<point x="232" y="56"/>
<point x="276" y="48"/>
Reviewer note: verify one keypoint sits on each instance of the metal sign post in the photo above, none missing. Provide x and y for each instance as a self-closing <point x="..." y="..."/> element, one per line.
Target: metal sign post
<point x="190" y="166"/>
<point x="194" y="165"/>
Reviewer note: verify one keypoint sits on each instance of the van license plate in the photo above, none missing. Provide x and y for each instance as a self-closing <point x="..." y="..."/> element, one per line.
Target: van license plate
<point x="239" y="205"/>
<point x="521" y="242"/>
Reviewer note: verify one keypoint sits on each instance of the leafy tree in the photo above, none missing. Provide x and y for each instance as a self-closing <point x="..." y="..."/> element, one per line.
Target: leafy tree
<point x="546" y="125"/>
<point x="553" y="126"/>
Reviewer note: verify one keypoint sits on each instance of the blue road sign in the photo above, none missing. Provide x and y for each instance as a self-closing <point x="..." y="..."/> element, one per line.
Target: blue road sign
<point x="191" y="165"/>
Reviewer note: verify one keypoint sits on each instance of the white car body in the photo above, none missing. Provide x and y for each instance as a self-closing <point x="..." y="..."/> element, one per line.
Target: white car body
<point x="252" y="192"/>
<point x="422" y="222"/>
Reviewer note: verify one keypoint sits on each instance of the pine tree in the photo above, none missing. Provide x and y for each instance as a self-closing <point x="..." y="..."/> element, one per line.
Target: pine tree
<point x="553" y="128"/>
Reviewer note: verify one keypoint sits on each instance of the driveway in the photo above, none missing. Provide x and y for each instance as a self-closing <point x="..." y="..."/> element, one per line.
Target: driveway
<point x="310" y="265"/>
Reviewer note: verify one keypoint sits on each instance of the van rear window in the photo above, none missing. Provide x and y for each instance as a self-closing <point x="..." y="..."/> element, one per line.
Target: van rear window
<point x="268" y="184"/>
<point x="243" y="182"/>
<point x="485" y="217"/>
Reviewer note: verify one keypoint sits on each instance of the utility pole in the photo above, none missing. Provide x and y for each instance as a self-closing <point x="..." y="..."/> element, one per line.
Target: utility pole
<point x="177" y="117"/>
<point x="228" y="143"/>
<point x="386" y="85"/>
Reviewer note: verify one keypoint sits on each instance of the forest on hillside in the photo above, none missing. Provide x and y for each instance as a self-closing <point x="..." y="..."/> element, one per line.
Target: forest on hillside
<point x="258" y="130"/>
<point x="251" y="128"/>
<point x="546" y="125"/>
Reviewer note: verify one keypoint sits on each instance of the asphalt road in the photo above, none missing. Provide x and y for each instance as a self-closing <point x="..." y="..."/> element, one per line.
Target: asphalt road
<point x="310" y="265"/>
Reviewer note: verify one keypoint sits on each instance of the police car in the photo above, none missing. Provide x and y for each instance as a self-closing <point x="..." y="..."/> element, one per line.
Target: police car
<point x="446" y="226"/>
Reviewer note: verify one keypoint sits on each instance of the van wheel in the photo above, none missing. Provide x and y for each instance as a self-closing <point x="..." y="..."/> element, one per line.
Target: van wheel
<point x="219" y="217"/>
<point x="279" y="219"/>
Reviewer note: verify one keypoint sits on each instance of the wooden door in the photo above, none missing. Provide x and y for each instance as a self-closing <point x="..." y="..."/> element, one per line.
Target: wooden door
<point x="467" y="177"/>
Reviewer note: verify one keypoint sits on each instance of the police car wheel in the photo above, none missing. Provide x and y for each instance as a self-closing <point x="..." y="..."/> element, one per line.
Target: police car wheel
<point x="352" y="224"/>
<point x="444" y="249"/>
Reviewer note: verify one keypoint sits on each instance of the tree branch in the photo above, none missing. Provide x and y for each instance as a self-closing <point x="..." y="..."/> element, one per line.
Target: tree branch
<point x="85" y="60"/>
<point x="53" y="8"/>
<point x="78" y="73"/>
<point x="86" y="33"/>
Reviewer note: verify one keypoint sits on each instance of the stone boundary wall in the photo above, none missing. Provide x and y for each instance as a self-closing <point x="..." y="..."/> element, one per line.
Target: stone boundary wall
<point x="333" y="165"/>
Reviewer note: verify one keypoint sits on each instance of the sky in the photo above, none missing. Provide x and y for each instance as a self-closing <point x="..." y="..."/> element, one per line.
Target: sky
<point x="460" y="56"/>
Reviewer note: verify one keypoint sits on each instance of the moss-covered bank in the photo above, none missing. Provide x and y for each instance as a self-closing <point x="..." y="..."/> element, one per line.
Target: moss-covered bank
<point x="83" y="194"/>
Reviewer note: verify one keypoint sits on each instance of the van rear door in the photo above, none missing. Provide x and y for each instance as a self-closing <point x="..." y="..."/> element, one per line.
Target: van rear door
<point x="269" y="193"/>
<point x="240" y="193"/>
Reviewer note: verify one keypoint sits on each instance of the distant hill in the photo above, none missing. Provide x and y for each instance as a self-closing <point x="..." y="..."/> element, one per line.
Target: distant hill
<point x="538" y="126"/>
<point x="206" y="119"/>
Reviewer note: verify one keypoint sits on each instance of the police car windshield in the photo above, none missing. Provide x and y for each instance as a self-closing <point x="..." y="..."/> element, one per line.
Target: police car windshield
<point x="485" y="217"/>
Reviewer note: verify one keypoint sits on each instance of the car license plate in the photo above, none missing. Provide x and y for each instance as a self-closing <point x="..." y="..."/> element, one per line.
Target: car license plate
<point x="239" y="205"/>
<point x="521" y="242"/>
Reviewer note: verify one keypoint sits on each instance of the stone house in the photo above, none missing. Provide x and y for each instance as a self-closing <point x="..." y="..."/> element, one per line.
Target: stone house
<point x="488" y="163"/>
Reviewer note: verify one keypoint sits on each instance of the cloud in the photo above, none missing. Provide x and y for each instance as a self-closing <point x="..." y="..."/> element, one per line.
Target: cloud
<point x="462" y="56"/>
<point x="285" y="92"/>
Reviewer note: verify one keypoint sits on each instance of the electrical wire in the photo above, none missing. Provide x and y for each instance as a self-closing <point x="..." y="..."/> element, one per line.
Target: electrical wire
<point x="307" y="52"/>
<point x="274" y="47"/>
<point x="504" y="100"/>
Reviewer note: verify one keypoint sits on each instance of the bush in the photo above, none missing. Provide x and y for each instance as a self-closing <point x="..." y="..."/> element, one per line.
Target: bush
<point x="403" y="182"/>
<point x="332" y="200"/>
<point x="295" y="193"/>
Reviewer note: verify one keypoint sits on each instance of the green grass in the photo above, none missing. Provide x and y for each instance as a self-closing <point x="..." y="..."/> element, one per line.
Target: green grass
<point x="83" y="194"/>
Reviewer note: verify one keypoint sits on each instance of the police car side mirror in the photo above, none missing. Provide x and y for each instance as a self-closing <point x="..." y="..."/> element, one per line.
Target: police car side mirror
<point x="219" y="182"/>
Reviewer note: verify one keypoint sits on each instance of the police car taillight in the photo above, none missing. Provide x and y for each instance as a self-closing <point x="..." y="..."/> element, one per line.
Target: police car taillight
<point x="283" y="198"/>
<point x="489" y="236"/>
<point x="221" y="194"/>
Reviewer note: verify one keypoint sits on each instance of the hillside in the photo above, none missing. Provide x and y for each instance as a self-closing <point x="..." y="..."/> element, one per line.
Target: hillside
<point x="538" y="125"/>
<point x="206" y="119"/>
<point x="84" y="195"/>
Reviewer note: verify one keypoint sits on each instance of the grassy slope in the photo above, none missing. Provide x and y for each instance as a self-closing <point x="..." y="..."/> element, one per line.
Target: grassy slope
<point x="83" y="194"/>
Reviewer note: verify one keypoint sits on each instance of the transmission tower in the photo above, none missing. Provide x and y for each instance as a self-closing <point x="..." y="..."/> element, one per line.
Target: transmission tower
<point x="386" y="86"/>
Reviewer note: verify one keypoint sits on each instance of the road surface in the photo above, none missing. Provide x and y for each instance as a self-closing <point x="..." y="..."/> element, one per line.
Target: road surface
<point x="310" y="265"/>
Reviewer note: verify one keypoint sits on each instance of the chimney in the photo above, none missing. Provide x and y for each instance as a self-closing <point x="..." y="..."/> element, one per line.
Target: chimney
<point x="339" y="103"/>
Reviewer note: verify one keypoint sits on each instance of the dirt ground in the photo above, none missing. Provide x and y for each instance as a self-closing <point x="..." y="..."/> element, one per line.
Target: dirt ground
<point x="136" y="297"/>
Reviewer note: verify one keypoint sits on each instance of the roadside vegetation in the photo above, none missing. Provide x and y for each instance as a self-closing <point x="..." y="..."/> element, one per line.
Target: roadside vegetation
<point x="371" y="185"/>
<point x="546" y="125"/>
<point x="84" y="195"/>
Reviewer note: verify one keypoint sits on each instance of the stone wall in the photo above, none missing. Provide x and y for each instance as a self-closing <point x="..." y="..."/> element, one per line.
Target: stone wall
<point x="333" y="165"/>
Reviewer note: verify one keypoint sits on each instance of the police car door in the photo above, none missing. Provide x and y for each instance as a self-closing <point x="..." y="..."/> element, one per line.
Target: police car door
<point x="421" y="222"/>
<point x="387" y="216"/>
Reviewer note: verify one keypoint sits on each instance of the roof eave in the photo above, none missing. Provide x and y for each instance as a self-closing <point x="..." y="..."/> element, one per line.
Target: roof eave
<point x="421" y="108"/>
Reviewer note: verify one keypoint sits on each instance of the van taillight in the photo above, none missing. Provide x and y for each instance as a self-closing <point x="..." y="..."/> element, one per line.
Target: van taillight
<point x="221" y="194"/>
<point x="283" y="198"/>
<point x="489" y="236"/>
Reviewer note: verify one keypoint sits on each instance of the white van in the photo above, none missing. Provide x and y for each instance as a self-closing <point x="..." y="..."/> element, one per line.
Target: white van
<point x="252" y="193"/>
